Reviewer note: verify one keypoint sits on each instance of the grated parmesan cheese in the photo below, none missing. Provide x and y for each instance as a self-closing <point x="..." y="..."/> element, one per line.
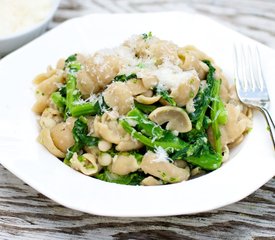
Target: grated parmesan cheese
<point x="16" y="15"/>
<point x="169" y="74"/>
<point x="172" y="76"/>
<point x="161" y="155"/>
<point x="190" y="107"/>
<point x="92" y="98"/>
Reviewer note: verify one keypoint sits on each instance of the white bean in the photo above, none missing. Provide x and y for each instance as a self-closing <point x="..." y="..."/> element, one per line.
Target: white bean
<point x="105" y="159"/>
<point x="104" y="146"/>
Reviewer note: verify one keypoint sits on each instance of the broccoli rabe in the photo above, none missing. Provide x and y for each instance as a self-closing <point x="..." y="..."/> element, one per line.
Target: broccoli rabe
<point x="163" y="92"/>
<point x="146" y="36"/>
<point x="129" y="179"/>
<point x="208" y="98"/>
<point x="145" y="108"/>
<point x="192" y="147"/>
<point x="203" y="99"/>
<point x="81" y="138"/>
<point x="144" y="125"/>
<point x="218" y="116"/>
<point x="68" y="98"/>
<point x="149" y="133"/>
<point x="124" y="78"/>
<point x="199" y="152"/>
<point x="59" y="101"/>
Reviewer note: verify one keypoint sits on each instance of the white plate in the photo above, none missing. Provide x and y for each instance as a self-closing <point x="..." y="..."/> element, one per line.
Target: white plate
<point x="252" y="165"/>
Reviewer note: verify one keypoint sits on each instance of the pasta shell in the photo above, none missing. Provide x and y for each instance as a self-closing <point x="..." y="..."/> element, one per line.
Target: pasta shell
<point x="45" y="139"/>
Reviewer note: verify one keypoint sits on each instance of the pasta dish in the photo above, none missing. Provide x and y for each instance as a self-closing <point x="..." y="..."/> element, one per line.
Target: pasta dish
<point x="145" y="113"/>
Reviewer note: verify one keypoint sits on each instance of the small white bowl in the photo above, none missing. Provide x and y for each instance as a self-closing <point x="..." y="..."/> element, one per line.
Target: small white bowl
<point x="15" y="40"/>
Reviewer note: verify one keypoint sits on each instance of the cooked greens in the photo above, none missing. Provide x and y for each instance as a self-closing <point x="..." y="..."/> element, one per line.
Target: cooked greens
<point x="129" y="179"/>
<point x="145" y="113"/>
<point x="81" y="138"/>
<point x="160" y="90"/>
<point x="124" y="78"/>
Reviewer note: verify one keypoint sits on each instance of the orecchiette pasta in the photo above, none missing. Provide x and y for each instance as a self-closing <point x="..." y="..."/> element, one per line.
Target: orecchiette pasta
<point x="176" y="118"/>
<point x="145" y="113"/>
<point x="191" y="61"/>
<point x="128" y="144"/>
<point x="97" y="72"/>
<point x="162" y="169"/>
<point x="43" y="76"/>
<point x="118" y="95"/>
<point x="50" y="118"/>
<point x="50" y="85"/>
<point x="186" y="90"/>
<point x="150" y="181"/>
<point x="85" y="163"/>
<point x="147" y="100"/>
<point x="136" y="86"/>
<point x="236" y="125"/>
<point x="45" y="139"/>
<point x="62" y="135"/>
<point x="124" y="164"/>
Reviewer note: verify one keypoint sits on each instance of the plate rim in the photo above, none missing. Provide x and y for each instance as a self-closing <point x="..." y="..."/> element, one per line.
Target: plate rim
<point x="95" y="211"/>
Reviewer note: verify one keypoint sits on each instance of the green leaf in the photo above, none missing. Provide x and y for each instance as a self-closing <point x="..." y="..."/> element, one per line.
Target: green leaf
<point x="129" y="179"/>
<point x="203" y="99"/>
<point x="144" y="107"/>
<point x="147" y="36"/>
<point x="160" y="90"/>
<point x="71" y="58"/>
<point x="199" y="152"/>
<point x="145" y="125"/>
<point x="81" y="138"/>
<point x="124" y="78"/>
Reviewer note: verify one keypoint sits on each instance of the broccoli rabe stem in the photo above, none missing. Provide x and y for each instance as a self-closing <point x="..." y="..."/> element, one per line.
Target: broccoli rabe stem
<point x="169" y="143"/>
<point x="73" y="105"/>
<point x="203" y="99"/>
<point x="144" y="107"/>
<point x="198" y="152"/>
<point x="148" y="127"/>
<point x="84" y="109"/>
<point x="209" y="98"/>
<point x="59" y="101"/>
<point x="71" y="92"/>
<point x="214" y="114"/>
<point x="218" y="116"/>
<point x="222" y="116"/>
<point x="207" y="161"/>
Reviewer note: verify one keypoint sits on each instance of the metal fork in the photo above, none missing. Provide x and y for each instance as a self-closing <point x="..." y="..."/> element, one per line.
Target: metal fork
<point x="250" y="83"/>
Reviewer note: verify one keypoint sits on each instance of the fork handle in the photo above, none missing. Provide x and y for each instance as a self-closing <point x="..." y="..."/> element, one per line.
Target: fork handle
<point x="270" y="124"/>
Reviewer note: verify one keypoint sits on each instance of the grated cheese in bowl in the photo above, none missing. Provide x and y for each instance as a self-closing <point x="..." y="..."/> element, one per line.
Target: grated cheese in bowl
<point x="23" y="20"/>
<point x="17" y="15"/>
